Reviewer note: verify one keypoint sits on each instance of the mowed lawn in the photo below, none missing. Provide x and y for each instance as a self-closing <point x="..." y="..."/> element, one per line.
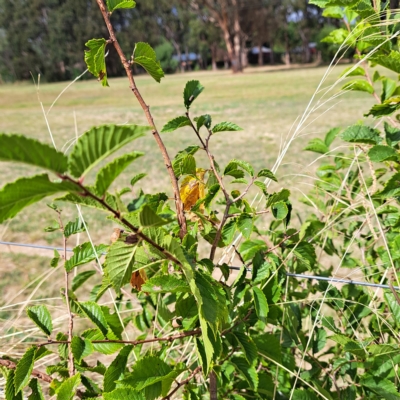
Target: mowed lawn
<point x="267" y="104"/>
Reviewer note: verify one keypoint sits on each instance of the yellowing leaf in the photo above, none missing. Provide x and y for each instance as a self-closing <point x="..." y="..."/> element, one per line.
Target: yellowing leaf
<point x="192" y="189"/>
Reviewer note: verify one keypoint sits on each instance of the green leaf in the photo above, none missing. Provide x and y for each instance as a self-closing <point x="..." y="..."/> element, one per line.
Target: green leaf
<point x="191" y="92"/>
<point x="103" y="348"/>
<point x="119" y="263"/>
<point x="317" y="146"/>
<point x="392" y="135"/>
<point x="280" y="210"/>
<point x="247" y="345"/>
<point x="137" y="178"/>
<point x="235" y="164"/>
<point x="361" y="134"/>
<point x="390" y="61"/>
<point x="149" y="371"/>
<point x="388" y="107"/>
<point x="24" y="369"/>
<point x="123" y="394"/>
<point x="17" y="195"/>
<point x="175" y="124"/>
<point x="165" y="284"/>
<point x="98" y="143"/>
<point x="247" y="370"/>
<point x="203" y="120"/>
<point x="333" y="12"/>
<point x="84" y="254"/>
<point x="226" y="127"/>
<point x="392" y="187"/>
<point x="55" y="260"/>
<point x="30" y="151"/>
<point x="267" y="174"/>
<point x="384" y="388"/>
<point x="245" y="225"/>
<point x="393" y="306"/>
<point x="270" y="346"/>
<point x="116" y="369"/>
<point x="360" y="85"/>
<point x="331" y="135"/>
<point x="115" y="4"/>
<point x="304" y="395"/>
<point x="249" y="248"/>
<point x="10" y="388"/>
<point x="81" y="348"/>
<point x="260" y="304"/>
<point x="95" y="59"/>
<point x="381" y="153"/>
<point x="74" y="227"/>
<point x="36" y="393"/>
<point x="353" y="71"/>
<point x="81" y="278"/>
<point x="188" y="166"/>
<point x="388" y="88"/>
<point x="67" y="390"/>
<point x="338" y="36"/>
<point x="144" y="55"/>
<point x="148" y="218"/>
<point x="107" y="175"/>
<point x="95" y="314"/>
<point x="40" y="315"/>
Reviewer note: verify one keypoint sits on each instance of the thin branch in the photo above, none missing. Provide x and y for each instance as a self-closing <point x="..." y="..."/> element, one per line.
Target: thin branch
<point x="254" y="214"/>
<point x="245" y="190"/>
<point x="132" y="342"/>
<point x="146" y="110"/>
<point x="35" y="373"/>
<point x="182" y="383"/>
<point x="281" y="242"/>
<point x="118" y="215"/>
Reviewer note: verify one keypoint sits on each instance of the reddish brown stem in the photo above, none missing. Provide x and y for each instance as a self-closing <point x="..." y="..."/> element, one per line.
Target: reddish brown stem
<point x="182" y="383"/>
<point x="132" y="342"/>
<point x="117" y="214"/>
<point x="35" y="373"/>
<point x="146" y="110"/>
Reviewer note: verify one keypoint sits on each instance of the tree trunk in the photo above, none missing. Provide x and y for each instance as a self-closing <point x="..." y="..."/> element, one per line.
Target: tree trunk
<point x="287" y="48"/>
<point x="214" y="57"/>
<point x="394" y="4"/>
<point x="272" y="54"/>
<point x="187" y="58"/>
<point x="260" y="55"/>
<point x="237" y="43"/>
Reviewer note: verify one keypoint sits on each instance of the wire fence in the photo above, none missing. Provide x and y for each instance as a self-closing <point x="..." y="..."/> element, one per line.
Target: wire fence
<point x="291" y="275"/>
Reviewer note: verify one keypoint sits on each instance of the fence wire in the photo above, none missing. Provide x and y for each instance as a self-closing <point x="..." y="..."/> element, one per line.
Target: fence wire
<point x="298" y="276"/>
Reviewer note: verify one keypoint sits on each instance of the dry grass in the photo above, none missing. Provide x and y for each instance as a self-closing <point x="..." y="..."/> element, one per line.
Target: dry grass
<point x="265" y="104"/>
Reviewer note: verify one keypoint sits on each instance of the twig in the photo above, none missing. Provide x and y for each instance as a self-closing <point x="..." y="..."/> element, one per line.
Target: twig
<point x="228" y="199"/>
<point x="256" y="213"/>
<point x="131" y="342"/>
<point x="240" y="197"/>
<point x="281" y="242"/>
<point x="118" y="215"/>
<point x="71" y="368"/>
<point x="182" y="383"/>
<point x="35" y="373"/>
<point x="146" y="110"/>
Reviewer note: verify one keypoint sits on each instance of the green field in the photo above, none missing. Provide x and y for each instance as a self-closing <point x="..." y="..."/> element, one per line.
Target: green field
<point x="267" y="104"/>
